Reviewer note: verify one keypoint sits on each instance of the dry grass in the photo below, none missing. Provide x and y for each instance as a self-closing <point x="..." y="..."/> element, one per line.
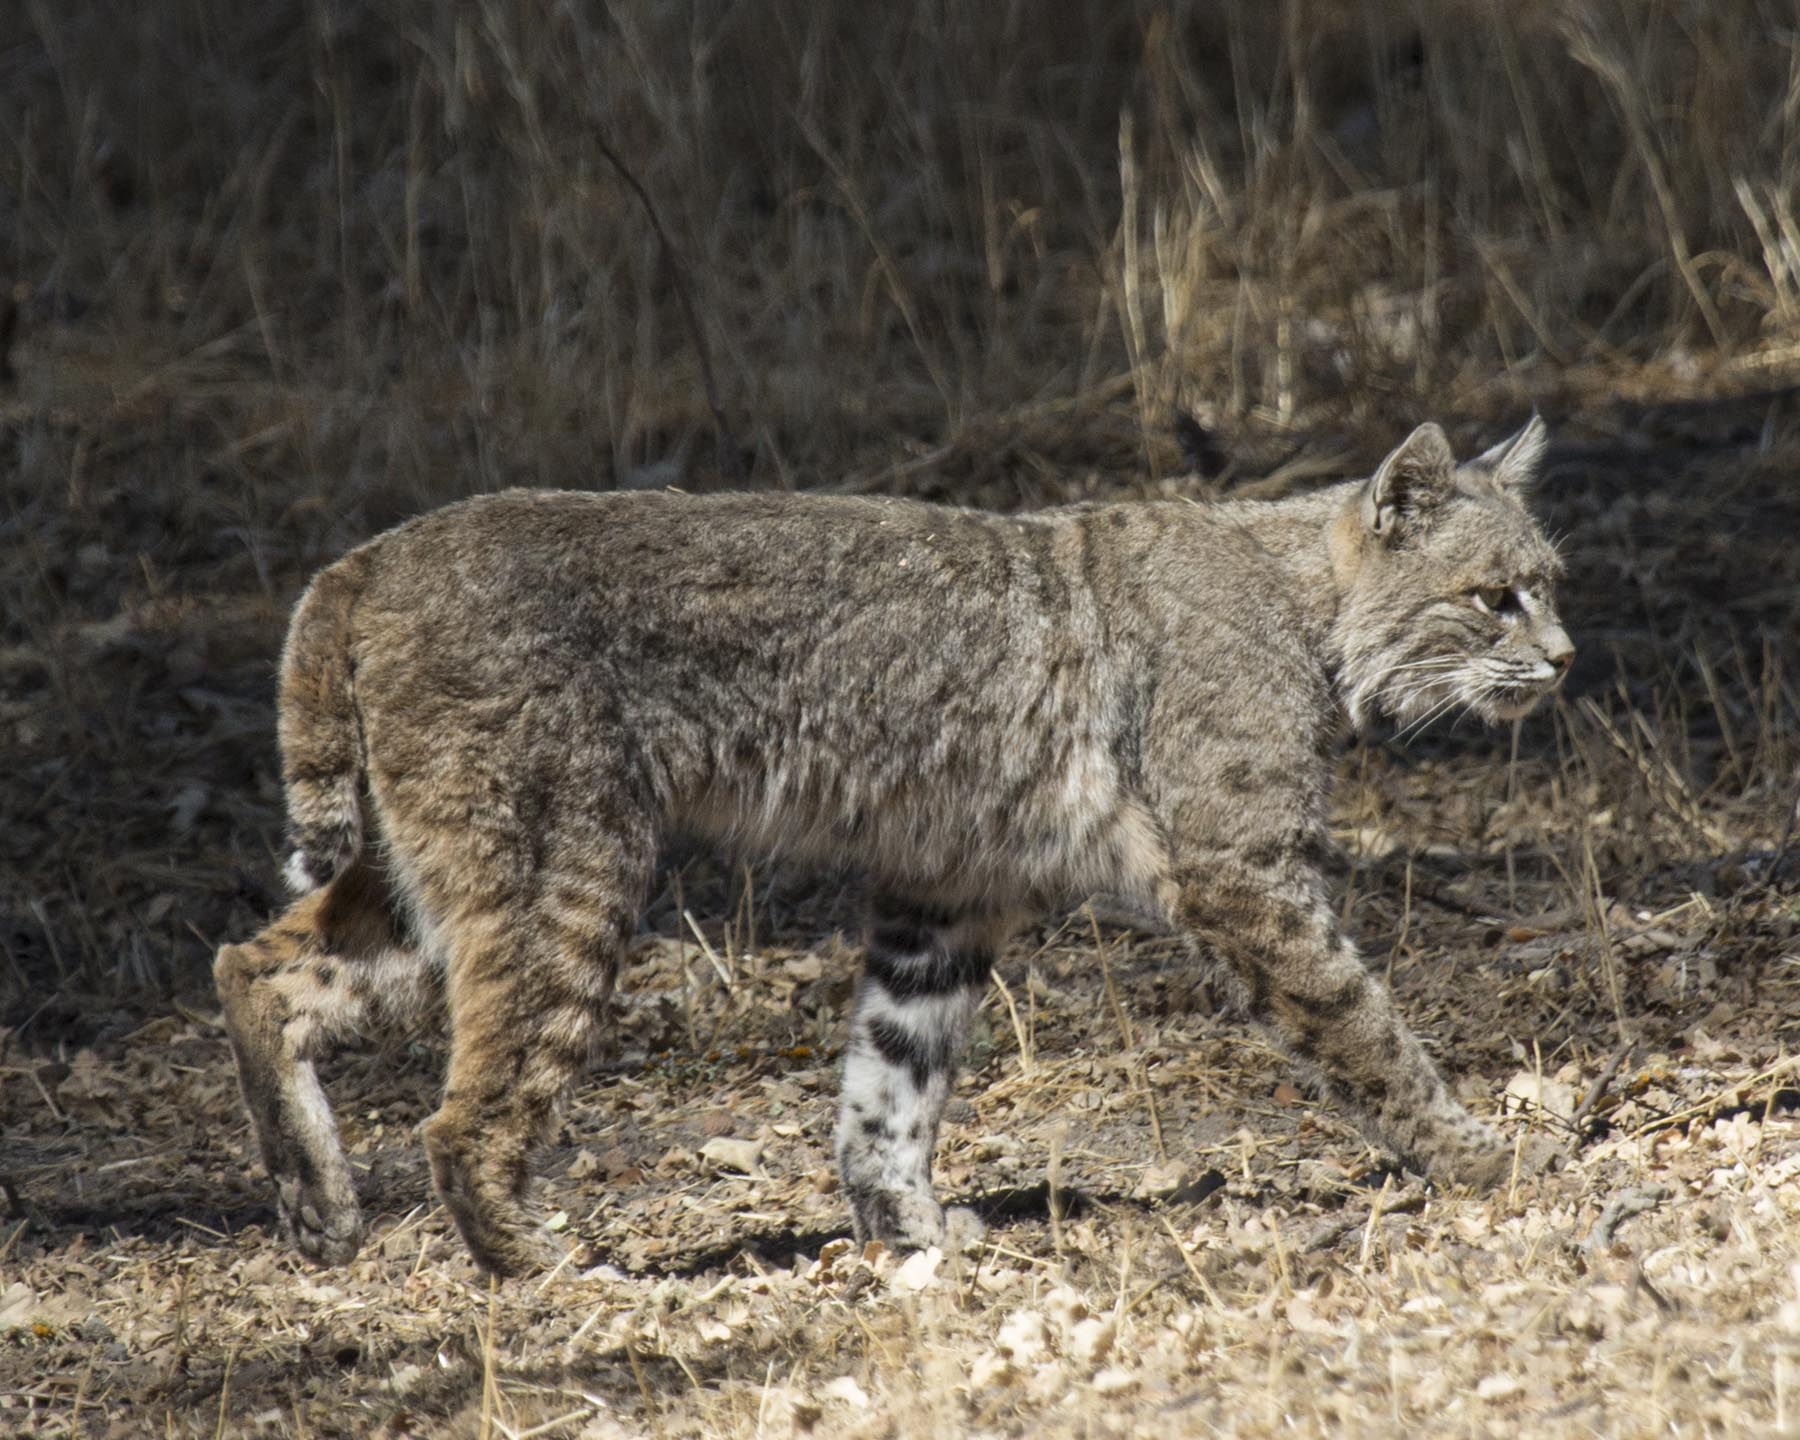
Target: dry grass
<point x="284" y="274"/>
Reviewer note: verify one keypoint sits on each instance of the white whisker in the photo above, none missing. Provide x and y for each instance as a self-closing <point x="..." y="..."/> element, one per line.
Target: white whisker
<point x="1438" y="662"/>
<point x="1443" y="707"/>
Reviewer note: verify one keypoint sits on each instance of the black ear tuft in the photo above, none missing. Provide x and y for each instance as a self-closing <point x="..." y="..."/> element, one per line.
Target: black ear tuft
<point x="1413" y="480"/>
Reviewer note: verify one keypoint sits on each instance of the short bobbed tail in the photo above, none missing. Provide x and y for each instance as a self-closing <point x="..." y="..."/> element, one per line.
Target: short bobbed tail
<point x="322" y="758"/>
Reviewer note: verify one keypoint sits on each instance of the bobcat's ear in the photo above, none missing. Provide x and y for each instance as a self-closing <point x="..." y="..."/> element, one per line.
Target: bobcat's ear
<point x="1513" y="464"/>
<point x="1416" y="477"/>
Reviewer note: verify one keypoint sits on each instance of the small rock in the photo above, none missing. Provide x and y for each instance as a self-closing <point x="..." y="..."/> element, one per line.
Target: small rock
<point x="743" y="1156"/>
<point x="918" y="1270"/>
<point x="1528" y="1091"/>
<point x="615" y="1162"/>
<point x="992" y="1368"/>
<point x="1091" y="1340"/>
<point x="1498" y="1387"/>
<point x="846" y="1390"/>
<point x="1065" y="1306"/>
<point x="1161" y="1180"/>
<point x="994" y="1147"/>
<point x="584" y="1164"/>
<point x="1022" y="1336"/>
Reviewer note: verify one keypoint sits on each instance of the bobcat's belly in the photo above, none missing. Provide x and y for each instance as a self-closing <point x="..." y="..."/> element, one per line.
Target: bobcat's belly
<point x="1008" y="827"/>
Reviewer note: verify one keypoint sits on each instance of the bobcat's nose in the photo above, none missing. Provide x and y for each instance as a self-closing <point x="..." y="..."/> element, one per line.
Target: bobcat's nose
<point x="1560" y="652"/>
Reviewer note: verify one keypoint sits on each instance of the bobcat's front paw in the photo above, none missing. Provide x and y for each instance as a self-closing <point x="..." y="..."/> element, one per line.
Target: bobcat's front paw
<point x="321" y="1219"/>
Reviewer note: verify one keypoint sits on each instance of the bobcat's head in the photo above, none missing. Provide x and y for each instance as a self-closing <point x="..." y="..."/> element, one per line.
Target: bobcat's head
<point x="1446" y="585"/>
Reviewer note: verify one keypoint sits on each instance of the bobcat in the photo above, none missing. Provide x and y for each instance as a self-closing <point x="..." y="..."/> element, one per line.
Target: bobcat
<point x="492" y="715"/>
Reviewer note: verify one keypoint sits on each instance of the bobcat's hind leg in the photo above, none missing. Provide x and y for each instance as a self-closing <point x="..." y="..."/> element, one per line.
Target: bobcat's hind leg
<point x="528" y="985"/>
<point x="924" y="976"/>
<point x="319" y="973"/>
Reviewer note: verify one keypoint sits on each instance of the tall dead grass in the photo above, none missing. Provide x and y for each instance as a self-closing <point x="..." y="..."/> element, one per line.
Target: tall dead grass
<point x="902" y="221"/>
<point x="288" y="272"/>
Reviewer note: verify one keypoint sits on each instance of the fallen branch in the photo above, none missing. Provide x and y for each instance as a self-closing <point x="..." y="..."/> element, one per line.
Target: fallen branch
<point x="1633" y="1202"/>
<point x="1599" y="1087"/>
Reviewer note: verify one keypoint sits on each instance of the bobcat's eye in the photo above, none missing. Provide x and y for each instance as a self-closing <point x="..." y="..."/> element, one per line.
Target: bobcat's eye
<point x="1494" y="599"/>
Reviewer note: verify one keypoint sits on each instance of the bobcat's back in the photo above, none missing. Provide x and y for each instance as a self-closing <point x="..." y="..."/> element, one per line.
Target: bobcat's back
<point x="946" y="696"/>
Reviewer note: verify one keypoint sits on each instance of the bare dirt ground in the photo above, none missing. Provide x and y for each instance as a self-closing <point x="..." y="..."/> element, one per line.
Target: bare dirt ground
<point x="290" y="276"/>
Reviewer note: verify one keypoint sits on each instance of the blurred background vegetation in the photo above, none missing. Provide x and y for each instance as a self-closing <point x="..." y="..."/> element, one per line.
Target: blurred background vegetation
<point x="283" y="273"/>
